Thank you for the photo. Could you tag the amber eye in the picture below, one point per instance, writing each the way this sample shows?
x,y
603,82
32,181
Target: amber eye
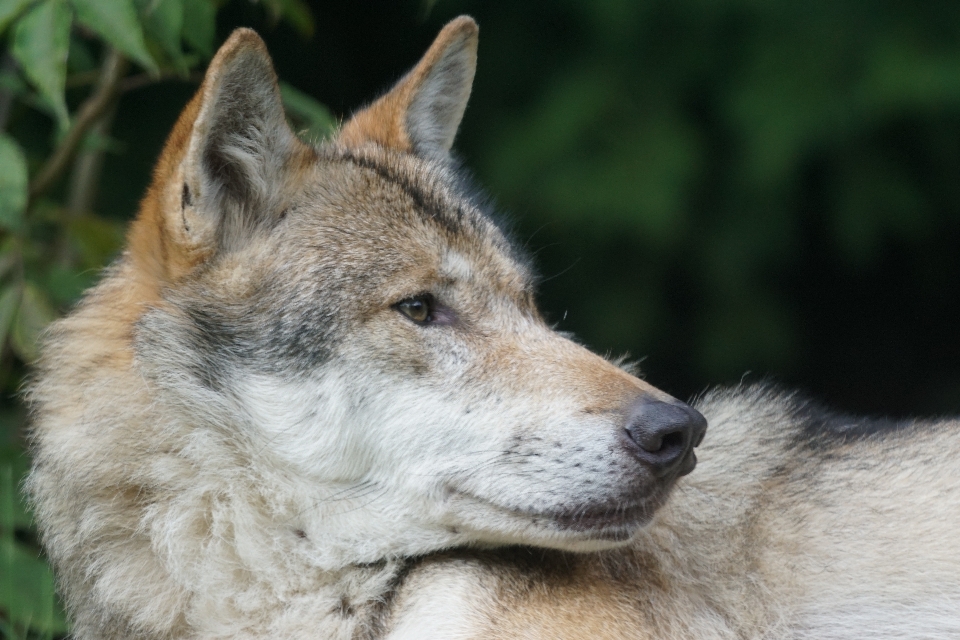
x,y
417,309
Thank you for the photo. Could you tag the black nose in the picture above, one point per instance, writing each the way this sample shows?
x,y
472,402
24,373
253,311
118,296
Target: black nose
x,y
663,435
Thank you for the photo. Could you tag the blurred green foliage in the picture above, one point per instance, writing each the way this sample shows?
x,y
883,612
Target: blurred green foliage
x,y
28,600
737,185
719,186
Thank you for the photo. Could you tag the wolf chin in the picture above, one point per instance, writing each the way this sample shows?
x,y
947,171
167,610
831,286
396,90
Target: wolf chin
x,y
314,398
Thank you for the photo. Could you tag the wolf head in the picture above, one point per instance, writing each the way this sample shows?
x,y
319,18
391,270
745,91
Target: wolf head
x,y
342,337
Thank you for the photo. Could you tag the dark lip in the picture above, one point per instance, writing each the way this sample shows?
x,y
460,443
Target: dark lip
x,y
611,520
597,518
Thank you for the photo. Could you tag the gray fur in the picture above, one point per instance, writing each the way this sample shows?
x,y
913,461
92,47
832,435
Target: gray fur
x,y
237,433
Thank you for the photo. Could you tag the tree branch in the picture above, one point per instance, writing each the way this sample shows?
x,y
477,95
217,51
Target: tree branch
x,y
85,175
133,82
145,79
111,73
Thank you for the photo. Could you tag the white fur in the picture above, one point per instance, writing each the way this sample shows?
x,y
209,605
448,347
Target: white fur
x,y
446,608
252,441
390,467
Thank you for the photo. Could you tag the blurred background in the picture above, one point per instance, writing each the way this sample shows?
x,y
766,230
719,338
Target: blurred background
x,y
726,190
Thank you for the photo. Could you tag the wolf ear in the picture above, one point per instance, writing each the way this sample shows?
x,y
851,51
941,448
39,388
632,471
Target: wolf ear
x,y
422,112
239,143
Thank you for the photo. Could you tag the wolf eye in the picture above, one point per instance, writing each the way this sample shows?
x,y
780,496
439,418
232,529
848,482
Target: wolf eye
x,y
418,309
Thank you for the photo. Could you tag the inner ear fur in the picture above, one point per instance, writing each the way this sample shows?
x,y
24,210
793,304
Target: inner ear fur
x,y
240,144
224,167
422,112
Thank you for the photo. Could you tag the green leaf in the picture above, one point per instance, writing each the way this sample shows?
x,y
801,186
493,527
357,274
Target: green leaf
x,y
33,316
81,58
9,302
199,25
13,183
163,20
14,466
296,12
27,592
305,111
9,256
9,11
41,41
66,285
117,22
10,81
96,240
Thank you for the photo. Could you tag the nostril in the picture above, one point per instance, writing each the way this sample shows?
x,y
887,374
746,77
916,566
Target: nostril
x,y
672,441
659,443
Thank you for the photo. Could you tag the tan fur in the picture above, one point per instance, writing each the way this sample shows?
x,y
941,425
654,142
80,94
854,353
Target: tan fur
x,y
385,121
238,435
157,242
769,538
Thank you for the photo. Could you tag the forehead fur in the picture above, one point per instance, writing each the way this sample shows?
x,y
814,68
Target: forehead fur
x,y
366,228
433,194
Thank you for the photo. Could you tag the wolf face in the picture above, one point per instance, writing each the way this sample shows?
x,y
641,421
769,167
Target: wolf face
x,y
371,335
313,363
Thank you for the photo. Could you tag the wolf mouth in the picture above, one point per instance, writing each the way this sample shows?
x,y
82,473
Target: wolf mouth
x,y
607,517
607,521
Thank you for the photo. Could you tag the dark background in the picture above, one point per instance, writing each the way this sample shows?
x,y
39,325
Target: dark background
x,y
727,190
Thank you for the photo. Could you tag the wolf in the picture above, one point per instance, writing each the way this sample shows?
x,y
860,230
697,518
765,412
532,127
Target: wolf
x,y
314,398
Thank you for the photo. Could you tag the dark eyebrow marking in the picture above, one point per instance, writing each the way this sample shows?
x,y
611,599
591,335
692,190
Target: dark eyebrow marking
x,y
451,218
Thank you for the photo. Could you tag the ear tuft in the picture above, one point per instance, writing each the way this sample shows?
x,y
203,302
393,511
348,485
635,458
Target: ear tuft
x,y
422,113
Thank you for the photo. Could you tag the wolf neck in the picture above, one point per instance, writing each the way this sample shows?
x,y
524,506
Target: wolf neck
x,y
234,535
238,530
